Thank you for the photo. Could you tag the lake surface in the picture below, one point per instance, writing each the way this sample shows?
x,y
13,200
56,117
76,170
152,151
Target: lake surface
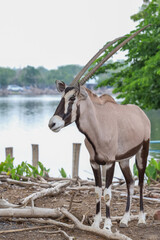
x,y
24,121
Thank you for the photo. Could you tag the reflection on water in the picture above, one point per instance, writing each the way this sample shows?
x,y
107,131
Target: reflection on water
x,y
154,116
24,121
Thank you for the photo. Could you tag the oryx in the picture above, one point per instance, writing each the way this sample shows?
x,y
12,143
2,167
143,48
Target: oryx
x,y
113,133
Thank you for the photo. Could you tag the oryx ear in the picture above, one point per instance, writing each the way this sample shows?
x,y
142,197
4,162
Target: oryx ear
x,y
60,86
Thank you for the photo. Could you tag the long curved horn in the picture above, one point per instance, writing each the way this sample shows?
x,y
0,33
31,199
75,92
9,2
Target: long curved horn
x,y
84,69
89,74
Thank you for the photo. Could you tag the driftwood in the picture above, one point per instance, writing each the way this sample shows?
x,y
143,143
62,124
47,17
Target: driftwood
x,y
30,212
96,231
53,188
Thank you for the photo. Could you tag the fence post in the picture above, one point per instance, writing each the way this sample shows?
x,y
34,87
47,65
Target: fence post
x,y
9,150
35,155
75,159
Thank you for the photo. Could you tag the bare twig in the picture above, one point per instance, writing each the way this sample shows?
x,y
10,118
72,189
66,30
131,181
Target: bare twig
x,y
24,229
71,201
61,232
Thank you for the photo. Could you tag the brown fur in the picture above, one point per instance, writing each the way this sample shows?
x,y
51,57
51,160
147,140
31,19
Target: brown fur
x,y
100,100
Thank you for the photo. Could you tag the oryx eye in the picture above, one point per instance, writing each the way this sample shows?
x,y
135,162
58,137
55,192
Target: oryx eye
x,y
72,98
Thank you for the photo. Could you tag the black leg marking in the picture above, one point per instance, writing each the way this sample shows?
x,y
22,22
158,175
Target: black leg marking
x,y
124,165
129,180
98,191
107,194
97,176
141,162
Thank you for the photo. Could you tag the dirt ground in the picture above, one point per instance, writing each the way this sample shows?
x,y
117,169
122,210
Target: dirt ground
x,y
83,204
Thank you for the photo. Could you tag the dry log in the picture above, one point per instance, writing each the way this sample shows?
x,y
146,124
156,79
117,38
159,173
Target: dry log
x,y
96,231
30,212
46,192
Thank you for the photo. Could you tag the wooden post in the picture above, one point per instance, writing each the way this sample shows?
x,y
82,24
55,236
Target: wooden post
x,y
75,159
9,150
35,155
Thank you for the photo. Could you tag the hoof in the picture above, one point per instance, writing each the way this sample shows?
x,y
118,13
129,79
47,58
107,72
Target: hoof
x,y
141,224
123,225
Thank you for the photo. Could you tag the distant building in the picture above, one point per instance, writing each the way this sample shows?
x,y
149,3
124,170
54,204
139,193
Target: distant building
x,y
15,88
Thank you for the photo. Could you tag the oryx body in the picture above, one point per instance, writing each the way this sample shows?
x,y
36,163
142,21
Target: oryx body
x,y
113,133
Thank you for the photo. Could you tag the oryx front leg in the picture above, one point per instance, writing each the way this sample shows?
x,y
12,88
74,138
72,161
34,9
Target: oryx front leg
x,y
98,191
107,194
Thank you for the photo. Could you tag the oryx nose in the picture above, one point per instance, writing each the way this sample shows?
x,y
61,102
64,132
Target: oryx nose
x,y
51,125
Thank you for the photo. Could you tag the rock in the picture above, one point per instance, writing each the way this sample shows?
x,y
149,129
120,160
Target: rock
x,y
157,215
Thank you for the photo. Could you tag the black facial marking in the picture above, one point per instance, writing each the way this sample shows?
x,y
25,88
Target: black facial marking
x,y
68,115
68,89
60,109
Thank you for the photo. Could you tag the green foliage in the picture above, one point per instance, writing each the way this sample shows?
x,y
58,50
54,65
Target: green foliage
x,y
138,77
6,76
39,77
7,165
63,173
23,169
152,170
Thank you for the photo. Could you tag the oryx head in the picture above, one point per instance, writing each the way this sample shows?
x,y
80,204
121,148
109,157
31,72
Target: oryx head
x,y
71,95
66,111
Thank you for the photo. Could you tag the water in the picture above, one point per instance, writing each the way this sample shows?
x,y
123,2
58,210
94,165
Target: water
x,y
24,121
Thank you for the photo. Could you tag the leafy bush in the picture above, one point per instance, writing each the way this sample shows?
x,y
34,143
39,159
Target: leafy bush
x,y
152,170
23,169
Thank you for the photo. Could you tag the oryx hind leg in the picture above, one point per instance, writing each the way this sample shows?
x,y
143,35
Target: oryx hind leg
x,y
124,165
141,162
107,193
98,190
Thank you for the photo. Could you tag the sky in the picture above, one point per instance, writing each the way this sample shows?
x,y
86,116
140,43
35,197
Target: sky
x,y
52,33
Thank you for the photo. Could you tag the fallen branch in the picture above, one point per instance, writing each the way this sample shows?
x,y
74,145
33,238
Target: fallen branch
x,y
97,231
6,204
24,229
30,212
26,184
46,192
144,198
43,221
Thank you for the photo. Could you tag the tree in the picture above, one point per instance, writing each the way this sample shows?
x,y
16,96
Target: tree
x,y
64,73
6,76
138,77
30,76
